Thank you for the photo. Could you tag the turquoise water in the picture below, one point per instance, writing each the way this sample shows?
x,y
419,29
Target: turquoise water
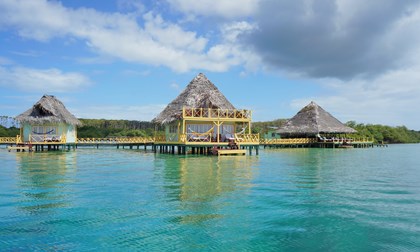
x,y
281,200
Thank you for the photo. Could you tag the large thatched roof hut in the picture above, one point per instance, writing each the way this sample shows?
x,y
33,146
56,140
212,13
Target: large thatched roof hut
x,y
48,120
199,93
312,120
201,114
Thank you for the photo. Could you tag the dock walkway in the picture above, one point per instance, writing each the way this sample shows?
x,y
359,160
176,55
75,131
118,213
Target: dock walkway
x,y
314,142
195,148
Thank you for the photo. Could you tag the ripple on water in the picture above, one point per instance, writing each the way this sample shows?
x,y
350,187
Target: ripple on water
x,y
282,200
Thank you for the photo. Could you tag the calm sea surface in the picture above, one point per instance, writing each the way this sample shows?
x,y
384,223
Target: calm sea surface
x,y
281,200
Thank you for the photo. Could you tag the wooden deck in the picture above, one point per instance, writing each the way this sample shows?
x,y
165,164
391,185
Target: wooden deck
x,y
201,114
231,152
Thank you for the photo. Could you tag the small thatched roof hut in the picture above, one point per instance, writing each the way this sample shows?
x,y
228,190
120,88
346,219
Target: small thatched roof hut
x,y
48,110
199,93
311,120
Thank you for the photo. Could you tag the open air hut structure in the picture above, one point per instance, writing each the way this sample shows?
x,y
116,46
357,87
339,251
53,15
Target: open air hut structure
x,y
202,116
313,121
48,122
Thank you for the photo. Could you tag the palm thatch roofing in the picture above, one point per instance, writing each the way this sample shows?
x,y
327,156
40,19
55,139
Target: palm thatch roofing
x,y
48,110
313,119
199,93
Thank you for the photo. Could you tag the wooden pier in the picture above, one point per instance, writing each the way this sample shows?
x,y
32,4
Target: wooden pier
x,y
119,142
314,142
184,148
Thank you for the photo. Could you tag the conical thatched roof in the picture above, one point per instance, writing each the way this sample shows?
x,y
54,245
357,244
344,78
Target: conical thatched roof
x,y
48,110
200,93
313,119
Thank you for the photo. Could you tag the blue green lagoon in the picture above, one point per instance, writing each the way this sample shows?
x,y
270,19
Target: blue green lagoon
x,y
281,200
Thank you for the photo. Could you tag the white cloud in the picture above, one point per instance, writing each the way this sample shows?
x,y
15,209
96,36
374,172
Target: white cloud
x,y
221,8
231,34
140,113
171,35
175,86
231,31
35,19
30,53
41,80
119,36
5,61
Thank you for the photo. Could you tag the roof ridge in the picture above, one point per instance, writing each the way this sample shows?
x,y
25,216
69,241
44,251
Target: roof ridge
x,y
316,107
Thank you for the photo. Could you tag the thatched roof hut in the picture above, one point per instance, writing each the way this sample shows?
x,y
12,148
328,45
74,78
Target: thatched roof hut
x,y
311,120
48,110
199,93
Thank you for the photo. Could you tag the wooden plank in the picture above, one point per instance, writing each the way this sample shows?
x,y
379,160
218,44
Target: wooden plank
x,y
231,152
18,148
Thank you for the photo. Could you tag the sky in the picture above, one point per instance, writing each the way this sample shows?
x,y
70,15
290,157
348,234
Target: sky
x,y
127,59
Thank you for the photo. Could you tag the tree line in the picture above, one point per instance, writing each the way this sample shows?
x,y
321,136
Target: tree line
x,y
9,127
8,132
100,128
386,134
263,127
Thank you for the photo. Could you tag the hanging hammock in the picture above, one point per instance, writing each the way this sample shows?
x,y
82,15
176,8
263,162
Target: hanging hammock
x,y
200,136
42,133
242,131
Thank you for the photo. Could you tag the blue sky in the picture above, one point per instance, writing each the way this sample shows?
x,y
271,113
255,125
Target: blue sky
x,y
127,59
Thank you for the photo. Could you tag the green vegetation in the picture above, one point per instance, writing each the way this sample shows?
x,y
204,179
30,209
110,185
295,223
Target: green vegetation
x,y
99,128
8,132
263,127
9,127
386,134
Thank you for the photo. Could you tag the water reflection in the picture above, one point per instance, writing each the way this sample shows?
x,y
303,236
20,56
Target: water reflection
x,y
305,167
43,178
201,184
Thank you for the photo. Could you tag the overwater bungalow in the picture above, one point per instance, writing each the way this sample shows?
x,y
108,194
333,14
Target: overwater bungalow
x,y
313,126
47,123
201,118
313,120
